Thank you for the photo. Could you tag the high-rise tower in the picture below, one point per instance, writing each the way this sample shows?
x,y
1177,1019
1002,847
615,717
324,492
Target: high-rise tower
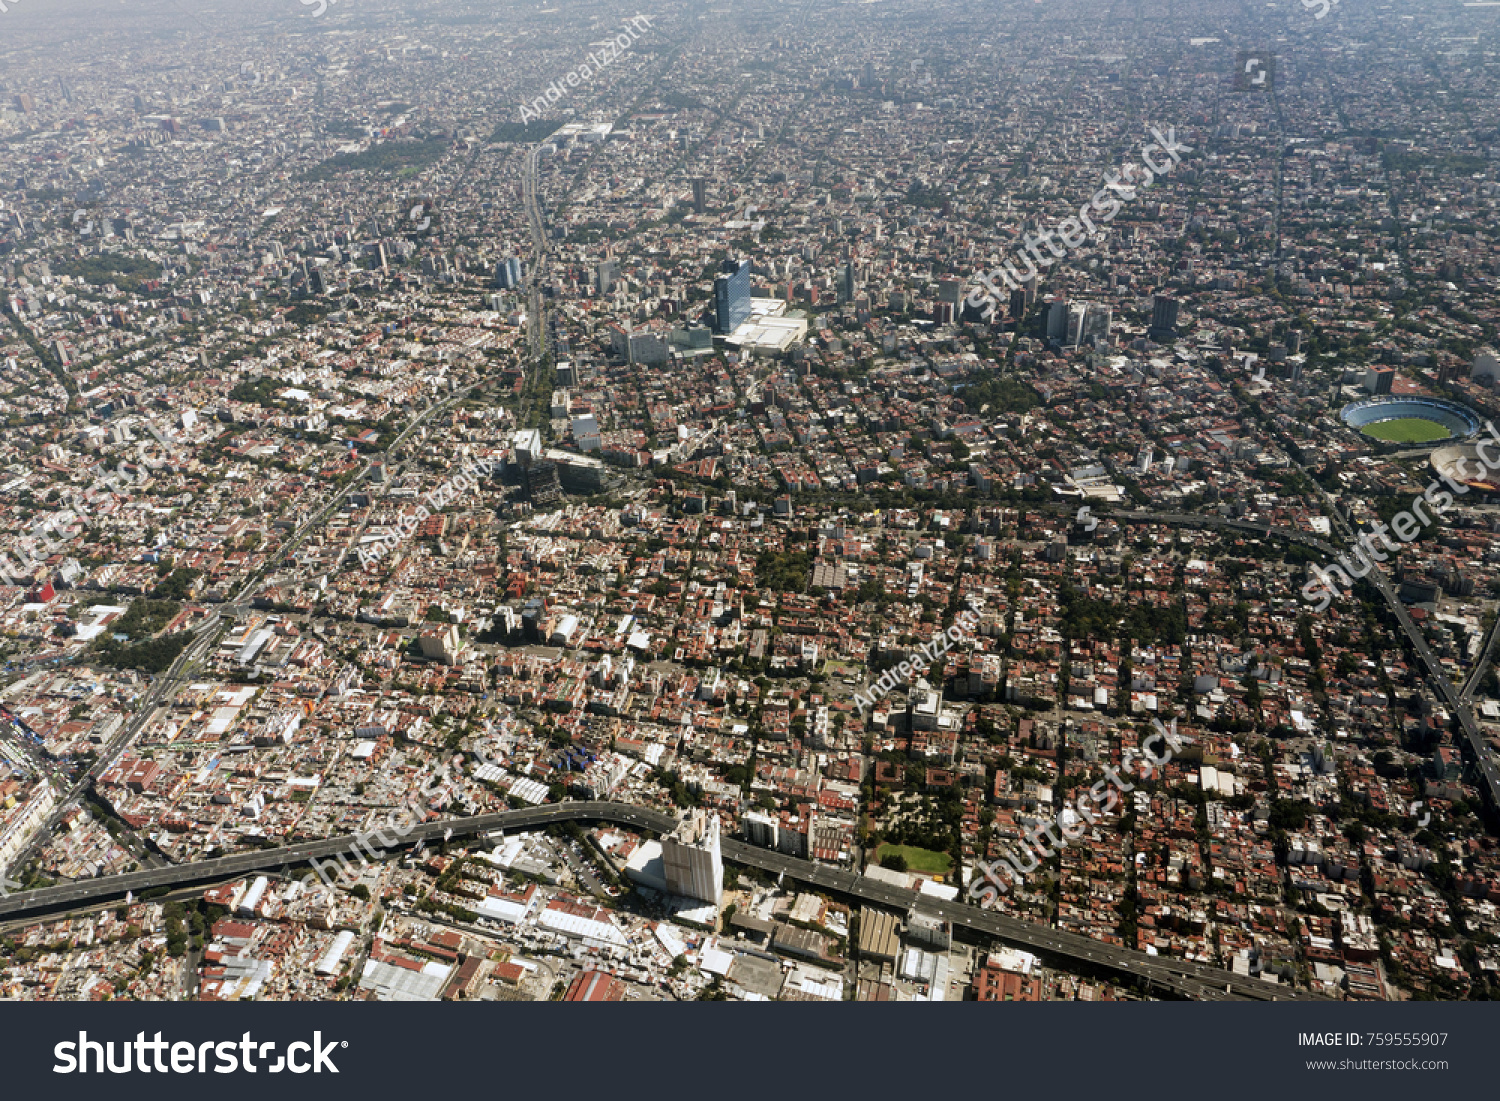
x,y
691,860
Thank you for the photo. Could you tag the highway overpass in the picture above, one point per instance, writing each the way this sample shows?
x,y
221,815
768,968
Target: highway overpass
x,y
1186,979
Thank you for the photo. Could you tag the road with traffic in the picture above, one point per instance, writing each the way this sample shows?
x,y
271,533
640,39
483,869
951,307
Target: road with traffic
x,y
206,633
1182,977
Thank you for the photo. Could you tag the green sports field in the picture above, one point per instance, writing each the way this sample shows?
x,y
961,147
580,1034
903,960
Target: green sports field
x,y
1406,430
918,860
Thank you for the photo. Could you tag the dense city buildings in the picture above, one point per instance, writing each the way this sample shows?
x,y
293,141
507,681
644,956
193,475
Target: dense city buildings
x,y
632,549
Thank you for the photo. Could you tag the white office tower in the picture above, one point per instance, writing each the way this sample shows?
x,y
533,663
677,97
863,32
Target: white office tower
x,y
1088,324
1096,325
1077,314
690,858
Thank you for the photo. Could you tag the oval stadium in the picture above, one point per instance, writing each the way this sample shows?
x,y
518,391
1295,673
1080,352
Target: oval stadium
x,y
1410,420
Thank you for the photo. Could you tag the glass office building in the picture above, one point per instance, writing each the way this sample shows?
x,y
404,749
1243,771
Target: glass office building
x,y
732,295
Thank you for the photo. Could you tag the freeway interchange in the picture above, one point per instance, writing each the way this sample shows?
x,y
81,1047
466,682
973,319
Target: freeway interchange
x,y
1181,977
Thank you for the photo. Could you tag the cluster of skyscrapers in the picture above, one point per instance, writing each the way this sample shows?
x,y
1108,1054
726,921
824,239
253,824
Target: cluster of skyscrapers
x,y
1076,324
509,273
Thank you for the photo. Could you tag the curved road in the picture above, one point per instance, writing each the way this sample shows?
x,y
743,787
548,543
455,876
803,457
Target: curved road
x,y
1190,980
206,632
